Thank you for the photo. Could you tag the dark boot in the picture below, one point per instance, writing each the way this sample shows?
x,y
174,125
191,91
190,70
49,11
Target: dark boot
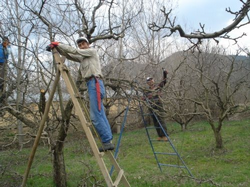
x,y
106,146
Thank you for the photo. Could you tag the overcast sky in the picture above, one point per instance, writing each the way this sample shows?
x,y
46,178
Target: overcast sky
x,y
211,13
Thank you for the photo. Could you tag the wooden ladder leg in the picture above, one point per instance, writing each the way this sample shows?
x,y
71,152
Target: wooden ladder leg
x,y
41,127
74,94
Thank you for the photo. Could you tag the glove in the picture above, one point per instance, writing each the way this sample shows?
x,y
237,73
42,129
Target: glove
x,y
164,74
48,48
54,44
165,70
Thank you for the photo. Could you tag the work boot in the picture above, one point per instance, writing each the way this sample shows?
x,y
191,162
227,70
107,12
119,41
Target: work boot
x,y
106,146
164,138
159,139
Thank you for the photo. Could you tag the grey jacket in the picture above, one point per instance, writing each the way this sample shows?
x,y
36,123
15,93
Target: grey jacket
x,y
88,59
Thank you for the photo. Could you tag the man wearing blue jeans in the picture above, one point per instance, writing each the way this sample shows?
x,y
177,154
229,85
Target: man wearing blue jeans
x,y
90,69
98,117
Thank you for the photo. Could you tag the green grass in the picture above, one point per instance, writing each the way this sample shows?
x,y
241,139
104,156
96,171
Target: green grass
x,y
229,166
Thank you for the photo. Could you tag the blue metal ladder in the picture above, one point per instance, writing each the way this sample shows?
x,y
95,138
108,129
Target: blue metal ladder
x,y
122,128
153,141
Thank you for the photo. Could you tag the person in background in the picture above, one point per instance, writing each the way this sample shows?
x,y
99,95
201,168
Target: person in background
x,y
4,54
154,96
90,69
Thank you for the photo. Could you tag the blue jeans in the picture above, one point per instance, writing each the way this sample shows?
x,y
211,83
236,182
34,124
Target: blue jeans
x,y
99,118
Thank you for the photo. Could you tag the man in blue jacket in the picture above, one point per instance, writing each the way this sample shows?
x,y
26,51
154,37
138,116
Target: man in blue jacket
x,y
4,54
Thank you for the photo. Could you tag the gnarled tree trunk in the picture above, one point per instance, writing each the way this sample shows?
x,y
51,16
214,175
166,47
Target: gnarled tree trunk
x,y
60,178
218,138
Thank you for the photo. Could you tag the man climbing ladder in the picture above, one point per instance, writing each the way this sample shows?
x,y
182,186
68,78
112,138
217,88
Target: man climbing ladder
x,y
152,100
84,118
155,101
90,69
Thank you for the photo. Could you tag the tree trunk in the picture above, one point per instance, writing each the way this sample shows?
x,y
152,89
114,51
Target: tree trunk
x,y
183,127
60,178
19,75
218,139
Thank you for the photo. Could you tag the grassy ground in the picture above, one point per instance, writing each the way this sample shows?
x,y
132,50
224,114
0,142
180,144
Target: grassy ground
x,y
209,166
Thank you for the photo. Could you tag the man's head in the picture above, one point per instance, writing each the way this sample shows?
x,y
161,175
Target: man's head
x,y
150,81
82,43
6,41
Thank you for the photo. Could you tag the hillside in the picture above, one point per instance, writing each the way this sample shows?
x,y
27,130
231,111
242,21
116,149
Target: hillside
x,y
133,70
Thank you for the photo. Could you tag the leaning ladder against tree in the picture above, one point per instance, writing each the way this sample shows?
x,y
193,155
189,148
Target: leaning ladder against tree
x,y
82,112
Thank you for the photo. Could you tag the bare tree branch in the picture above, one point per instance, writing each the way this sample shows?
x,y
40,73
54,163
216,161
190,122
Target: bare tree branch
x,y
169,24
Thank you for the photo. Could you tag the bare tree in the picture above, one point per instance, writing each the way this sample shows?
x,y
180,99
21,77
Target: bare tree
x,y
178,88
220,83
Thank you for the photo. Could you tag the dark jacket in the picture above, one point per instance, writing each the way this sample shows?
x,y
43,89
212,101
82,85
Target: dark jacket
x,y
154,93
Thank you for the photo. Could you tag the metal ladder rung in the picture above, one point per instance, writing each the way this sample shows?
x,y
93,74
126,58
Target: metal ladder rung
x,y
152,127
148,114
161,153
154,140
170,165
156,154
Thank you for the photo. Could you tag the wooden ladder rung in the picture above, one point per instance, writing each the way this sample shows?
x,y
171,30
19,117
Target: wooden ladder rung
x,y
119,177
101,154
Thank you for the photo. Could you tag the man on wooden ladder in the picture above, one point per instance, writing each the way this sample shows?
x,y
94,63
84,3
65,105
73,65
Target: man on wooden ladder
x,y
154,96
90,69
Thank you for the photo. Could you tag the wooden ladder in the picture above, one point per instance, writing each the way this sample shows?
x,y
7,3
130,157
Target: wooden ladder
x,y
83,114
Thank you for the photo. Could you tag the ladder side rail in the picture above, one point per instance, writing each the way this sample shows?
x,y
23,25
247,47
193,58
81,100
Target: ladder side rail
x,y
84,122
92,142
156,117
178,155
78,103
87,116
122,129
172,145
149,138
78,96
41,127
169,140
120,136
